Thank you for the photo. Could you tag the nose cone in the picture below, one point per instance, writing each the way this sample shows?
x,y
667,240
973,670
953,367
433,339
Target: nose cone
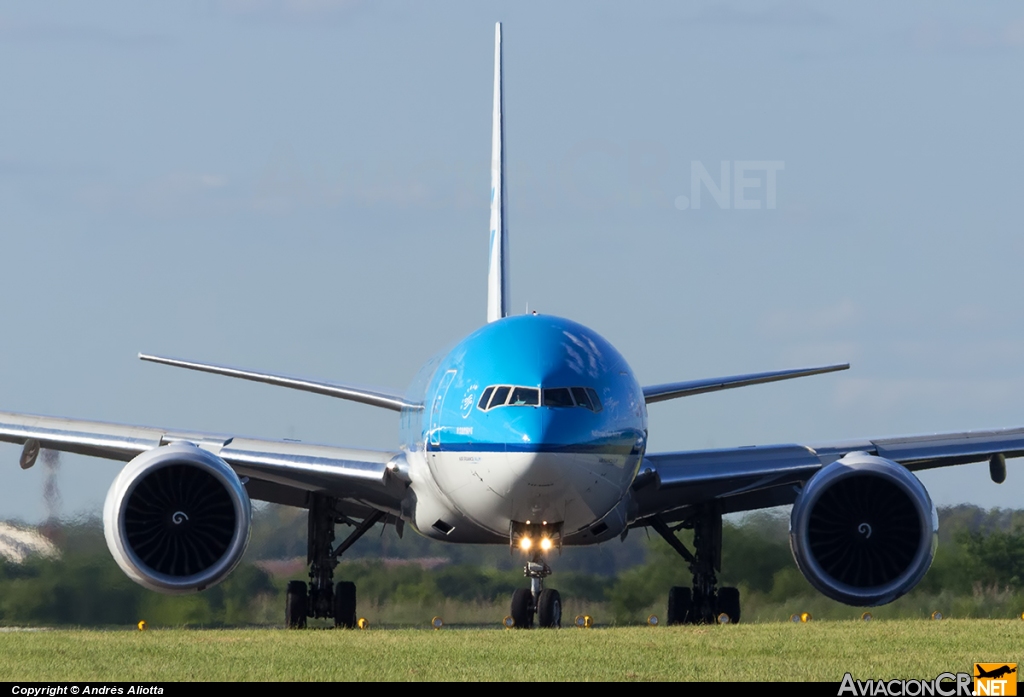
x,y
555,465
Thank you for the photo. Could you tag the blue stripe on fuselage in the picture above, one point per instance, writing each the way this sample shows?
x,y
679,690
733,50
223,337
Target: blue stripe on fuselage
x,y
618,447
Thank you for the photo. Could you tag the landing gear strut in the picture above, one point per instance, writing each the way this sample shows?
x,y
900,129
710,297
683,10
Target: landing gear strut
x,y
322,598
704,602
545,603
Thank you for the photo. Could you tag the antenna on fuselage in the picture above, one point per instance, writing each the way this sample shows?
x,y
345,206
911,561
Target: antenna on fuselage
x,y
497,272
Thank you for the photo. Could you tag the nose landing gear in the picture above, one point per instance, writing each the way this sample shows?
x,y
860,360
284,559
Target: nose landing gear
x,y
536,601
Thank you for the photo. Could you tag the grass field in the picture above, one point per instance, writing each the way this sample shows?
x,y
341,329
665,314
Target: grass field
x,y
771,651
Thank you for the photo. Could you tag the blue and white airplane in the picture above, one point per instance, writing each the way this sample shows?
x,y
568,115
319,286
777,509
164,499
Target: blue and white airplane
x,y
531,432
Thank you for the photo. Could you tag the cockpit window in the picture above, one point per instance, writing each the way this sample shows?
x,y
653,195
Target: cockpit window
x,y
558,397
582,398
485,397
525,397
499,396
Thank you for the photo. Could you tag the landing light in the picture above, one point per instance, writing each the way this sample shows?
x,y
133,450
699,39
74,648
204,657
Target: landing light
x,y
525,543
545,543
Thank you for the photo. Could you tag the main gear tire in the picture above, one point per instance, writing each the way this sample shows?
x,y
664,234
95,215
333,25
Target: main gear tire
x,y
680,605
729,603
345,605
295,603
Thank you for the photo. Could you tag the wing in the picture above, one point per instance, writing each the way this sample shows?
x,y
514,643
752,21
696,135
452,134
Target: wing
x,y
279,471
672,390
754,477
376,397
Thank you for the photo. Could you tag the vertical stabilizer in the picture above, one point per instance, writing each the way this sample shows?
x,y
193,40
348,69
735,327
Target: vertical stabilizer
x,y
497,272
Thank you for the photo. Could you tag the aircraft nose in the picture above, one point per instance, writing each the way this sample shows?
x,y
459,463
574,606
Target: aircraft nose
x,y
534,428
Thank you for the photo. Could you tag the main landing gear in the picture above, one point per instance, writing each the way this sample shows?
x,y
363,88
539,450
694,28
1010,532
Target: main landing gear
x,y
322,598
704,602
536,601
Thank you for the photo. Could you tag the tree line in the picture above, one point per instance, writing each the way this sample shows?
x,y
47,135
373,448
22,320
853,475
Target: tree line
x,y
978,571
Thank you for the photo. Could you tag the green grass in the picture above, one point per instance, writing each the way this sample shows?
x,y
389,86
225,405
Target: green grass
x,y
771,651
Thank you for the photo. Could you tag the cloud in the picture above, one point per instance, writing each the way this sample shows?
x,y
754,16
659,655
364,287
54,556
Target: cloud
x,y
842,316
172,194
980,316
178,191
822,352
211,181
277,191
291,10
974,352
934,35
780,14
287,183
15,168
897,394
65,33
897,321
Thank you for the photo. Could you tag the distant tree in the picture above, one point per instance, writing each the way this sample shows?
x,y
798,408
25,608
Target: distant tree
x,y
754,551
998,556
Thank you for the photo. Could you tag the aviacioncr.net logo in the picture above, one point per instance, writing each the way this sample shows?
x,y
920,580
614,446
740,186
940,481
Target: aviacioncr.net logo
x,y
945,685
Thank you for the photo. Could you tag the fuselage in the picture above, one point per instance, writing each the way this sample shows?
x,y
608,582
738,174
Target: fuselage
x,y
530,419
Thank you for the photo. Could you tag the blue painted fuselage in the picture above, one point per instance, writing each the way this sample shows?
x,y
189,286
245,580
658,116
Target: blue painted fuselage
x,y
530,418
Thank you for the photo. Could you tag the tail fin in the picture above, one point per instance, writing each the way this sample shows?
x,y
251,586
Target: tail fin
x,y
497,273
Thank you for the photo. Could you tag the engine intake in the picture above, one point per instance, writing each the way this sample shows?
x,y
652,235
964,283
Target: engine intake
x,y
863,530
177,519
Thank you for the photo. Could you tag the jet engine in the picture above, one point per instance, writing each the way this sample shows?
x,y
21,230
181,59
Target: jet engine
x,y
177,519
863,530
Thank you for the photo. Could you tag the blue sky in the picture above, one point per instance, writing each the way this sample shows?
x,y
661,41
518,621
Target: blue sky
x,y
302,186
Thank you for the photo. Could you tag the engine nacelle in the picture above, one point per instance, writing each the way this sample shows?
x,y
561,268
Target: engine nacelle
x,y
863,530
177,519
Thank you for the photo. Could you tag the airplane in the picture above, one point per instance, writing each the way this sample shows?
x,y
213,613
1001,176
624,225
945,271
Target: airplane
x,y
995,672
532,432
